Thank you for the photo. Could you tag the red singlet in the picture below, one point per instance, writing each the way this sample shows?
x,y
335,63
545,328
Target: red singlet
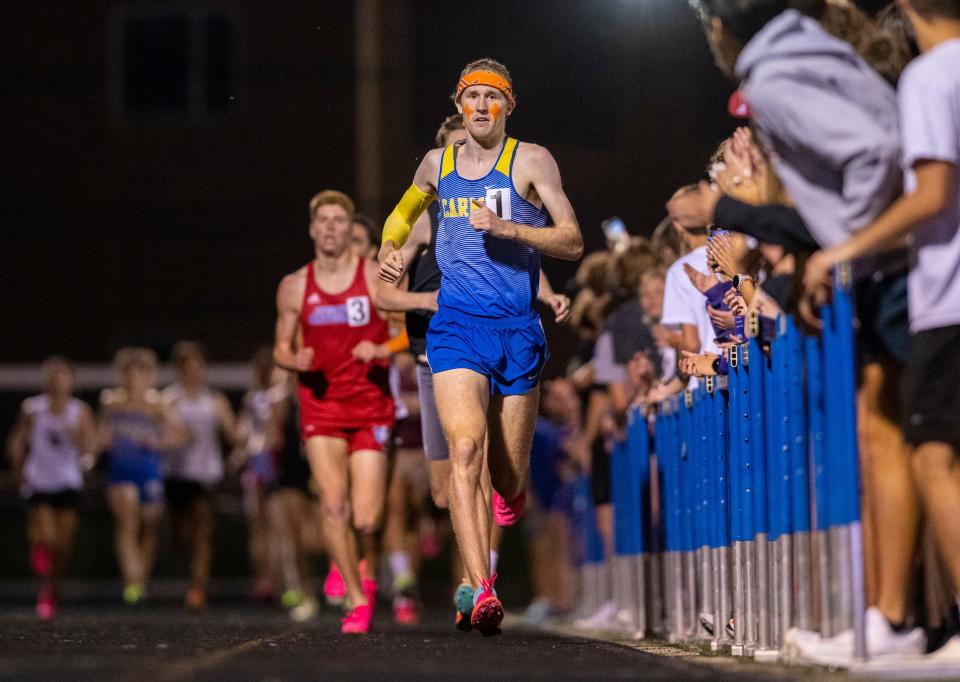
x,y
341,392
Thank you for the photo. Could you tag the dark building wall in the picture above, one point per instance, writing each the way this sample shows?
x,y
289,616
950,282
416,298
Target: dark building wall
x,y
116,231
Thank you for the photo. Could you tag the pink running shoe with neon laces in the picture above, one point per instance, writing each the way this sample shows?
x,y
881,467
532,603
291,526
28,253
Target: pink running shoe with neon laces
x,y
506,513
41,559
357,621
487,609
46,605
334,588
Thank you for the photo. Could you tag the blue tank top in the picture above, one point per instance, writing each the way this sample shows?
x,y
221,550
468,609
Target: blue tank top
x,y
485,275
132,431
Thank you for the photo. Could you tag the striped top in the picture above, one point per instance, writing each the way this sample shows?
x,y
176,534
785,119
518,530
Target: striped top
x,y
484,275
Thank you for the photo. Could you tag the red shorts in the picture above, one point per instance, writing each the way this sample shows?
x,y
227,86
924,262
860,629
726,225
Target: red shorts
x,y
362,438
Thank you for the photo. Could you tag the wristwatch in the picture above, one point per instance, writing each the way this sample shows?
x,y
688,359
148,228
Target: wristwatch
x,y
738,281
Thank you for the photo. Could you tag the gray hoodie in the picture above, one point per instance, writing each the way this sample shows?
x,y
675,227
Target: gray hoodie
x,y
828,120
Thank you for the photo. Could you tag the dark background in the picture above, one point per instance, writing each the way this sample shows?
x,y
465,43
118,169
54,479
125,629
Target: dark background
x,y
158,157
155,185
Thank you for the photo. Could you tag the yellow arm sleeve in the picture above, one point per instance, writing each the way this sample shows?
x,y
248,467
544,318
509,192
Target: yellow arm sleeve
x,y
400,222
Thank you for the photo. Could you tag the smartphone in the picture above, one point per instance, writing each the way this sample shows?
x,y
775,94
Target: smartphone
x,y
615,231
711,232
714,231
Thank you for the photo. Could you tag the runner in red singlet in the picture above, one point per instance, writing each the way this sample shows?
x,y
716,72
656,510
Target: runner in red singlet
x,y
327,331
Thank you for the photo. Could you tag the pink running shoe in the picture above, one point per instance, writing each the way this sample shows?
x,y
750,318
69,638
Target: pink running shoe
x,y
405,611
334,588
46,605
41,560
506,513
487,609
357,621
370,591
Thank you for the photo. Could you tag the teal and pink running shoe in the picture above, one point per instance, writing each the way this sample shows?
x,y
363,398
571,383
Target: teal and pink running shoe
x,y
508,512
463,602
487,610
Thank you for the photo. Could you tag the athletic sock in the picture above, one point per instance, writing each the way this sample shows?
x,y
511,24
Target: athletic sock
x,y
494,555
900,628
399,563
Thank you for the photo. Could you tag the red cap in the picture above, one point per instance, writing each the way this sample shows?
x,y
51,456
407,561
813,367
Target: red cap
x,y
738,107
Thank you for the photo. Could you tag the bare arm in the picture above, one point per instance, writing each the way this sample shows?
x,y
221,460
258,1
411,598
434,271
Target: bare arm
x,y
559,303
104,424
935,180
275,430
289,300
619,402
689,338
17,441
563,240
388,297
394,297
175,433
227,420
86,437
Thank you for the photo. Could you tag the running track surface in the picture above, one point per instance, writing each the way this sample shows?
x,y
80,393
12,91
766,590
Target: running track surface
x,y
96,638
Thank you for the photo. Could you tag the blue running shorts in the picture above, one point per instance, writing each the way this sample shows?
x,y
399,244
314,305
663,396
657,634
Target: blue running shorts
x,y
141,469
510,352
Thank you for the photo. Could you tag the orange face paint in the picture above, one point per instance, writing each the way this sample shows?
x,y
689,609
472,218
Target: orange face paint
x,y
468,111
495,111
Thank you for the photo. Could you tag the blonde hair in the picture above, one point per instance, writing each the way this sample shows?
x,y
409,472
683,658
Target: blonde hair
x,y
135,357
332,196
886,51
449,125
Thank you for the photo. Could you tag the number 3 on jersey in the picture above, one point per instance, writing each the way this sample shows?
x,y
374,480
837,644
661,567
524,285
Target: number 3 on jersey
x,y
358,311
498,201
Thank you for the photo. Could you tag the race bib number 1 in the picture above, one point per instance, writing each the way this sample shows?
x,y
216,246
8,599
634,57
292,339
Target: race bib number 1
x,y
498,201
358,311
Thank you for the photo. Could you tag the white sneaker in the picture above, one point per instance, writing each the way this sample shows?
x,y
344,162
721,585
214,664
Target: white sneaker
x,y
944,663
537,612
305,610
603,619
882,643
949,652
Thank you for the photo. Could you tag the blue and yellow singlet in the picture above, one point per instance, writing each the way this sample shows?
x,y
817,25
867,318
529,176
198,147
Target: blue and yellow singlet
x,y
483,275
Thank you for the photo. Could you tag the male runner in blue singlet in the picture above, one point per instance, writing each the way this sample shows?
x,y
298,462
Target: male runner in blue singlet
x,y
485,344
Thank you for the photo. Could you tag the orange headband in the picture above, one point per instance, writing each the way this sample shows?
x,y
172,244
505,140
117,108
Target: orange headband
x,y
494,80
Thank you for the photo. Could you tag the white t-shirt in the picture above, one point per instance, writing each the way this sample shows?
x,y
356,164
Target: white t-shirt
x,y
606,370
683,304
930,126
